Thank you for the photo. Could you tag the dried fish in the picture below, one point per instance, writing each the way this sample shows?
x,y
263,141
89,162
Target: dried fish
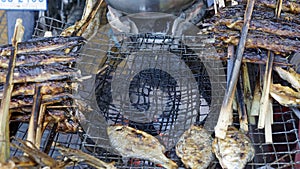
x,y
41,74
23,101
194,148
235,150
291,76
79,156
39,59
282,28
39,157
47,88
132,143
258,40
44,44
287,6
285,95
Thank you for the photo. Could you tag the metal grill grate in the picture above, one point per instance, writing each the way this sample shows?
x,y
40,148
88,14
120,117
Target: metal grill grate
x,y
100,59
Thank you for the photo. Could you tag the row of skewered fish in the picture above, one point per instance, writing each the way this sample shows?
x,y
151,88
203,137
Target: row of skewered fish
x,y
48,64
196,147
266,32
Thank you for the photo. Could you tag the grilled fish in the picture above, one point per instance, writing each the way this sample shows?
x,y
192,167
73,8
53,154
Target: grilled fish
x,y
39,45
41,74
47,88
39,59
291,76
79,156
132,143
194,148
234,151
285,95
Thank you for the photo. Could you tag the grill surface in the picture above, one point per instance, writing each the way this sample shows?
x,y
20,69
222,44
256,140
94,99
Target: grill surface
x,y
280,154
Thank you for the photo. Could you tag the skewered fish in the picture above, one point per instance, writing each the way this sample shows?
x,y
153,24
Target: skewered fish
x,y
285,95
278,36
21,101
40,74
291,76
47,88
39,59
235,150
44,44
194,148
259,40
132,143
79,156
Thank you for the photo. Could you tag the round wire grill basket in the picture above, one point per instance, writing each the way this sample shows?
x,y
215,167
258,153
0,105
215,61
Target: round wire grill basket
x,y
102,58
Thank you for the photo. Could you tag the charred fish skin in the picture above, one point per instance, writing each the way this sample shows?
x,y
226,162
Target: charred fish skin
x,y
235,150
132,143
44,44
194,148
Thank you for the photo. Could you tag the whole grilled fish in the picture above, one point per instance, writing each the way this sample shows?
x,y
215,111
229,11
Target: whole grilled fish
x,y
132,143
194,148
235,150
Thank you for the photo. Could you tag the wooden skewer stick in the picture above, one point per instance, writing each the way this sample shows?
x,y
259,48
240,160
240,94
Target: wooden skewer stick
x,y
40,128
226,109
242,109
31,136
278,8
264,102
256,98
247,92
8,87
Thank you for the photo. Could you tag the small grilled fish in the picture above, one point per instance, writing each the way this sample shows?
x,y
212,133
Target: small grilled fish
x,y
291,76
194,148
132,143
235,150
284,95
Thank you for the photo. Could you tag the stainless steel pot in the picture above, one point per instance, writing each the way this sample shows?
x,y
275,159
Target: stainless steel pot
x,y
137,6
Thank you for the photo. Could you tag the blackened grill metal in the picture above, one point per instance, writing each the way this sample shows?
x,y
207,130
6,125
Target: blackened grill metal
x,y
280,154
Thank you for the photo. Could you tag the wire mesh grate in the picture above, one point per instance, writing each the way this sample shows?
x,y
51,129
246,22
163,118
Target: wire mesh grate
x,y
104,55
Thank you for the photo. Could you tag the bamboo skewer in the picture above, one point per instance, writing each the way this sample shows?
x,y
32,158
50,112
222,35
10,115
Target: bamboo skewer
x,y
8,87
242,109
40,128
32,128
247,92
264,101
266,107
256,98
226,109
266,112
278,8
